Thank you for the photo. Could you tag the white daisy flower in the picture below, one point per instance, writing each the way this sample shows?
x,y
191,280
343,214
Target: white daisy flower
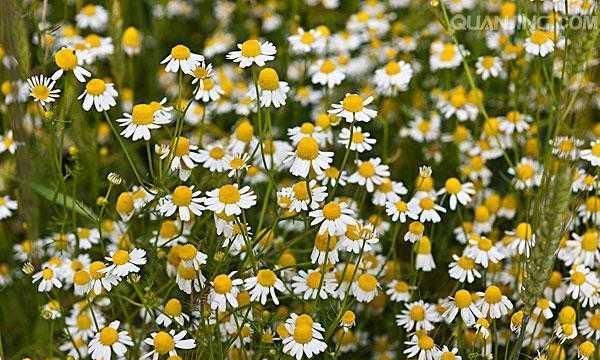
x,y
124,262
423,205
172,311
7,206
388,191
365,288
463,269
182,58
353,108
304,337
183,200
393,77
459,192
143,118
108,340
421,346
540,43
230,199
183,157
313,284
489,66
164,343
307,156
67,60
482,250
253,52
99,94
359,141
527,174
592,155
264,284
41,89
462,302
369,173
213,158
224,290
399,291
493,304
48,279
271,90
92,16
417,316
334,218
326,72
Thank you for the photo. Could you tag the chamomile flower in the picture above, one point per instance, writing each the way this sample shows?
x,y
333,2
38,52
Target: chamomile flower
x,y
92,16
359,237
313,284
586,350
445,55
325,249
263,284
67,60
388,191
459,192
523,239
308,156
424,260
183,200
183,157
99,94
462,302
213,158
305,196
540,43
493,303
230,199
131,41
359,141
582,282
327,72
48,279
334,217
253,52
398,291
527,174
304,42
488,66
41,89
353,108
590,325
182,58
108,340
417,316
164,343
303,337
271,90
7,206
592,155
143,118
172,311
369,173
124,262
225,289
393,77
365,288
482,250
463,269
421,346
423,206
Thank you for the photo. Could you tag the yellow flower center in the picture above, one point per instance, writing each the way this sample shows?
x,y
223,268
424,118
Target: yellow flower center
x,y
65,59
180,52
168,229
95,87
366,169
524,231
187,252
268,79
96,270
89,10
229,194
578,278
120,257
349,317
216,152
93,40
307,149
47,274
392,68
266,277
187,273
453,186
484,243
353,103
108,336
81,277
540,37
332,211
163,342
596,150
173,307
401,287
426,203
424,246
466,263
447,355
448,52
244,131
183,146
327,66
307,38
301,191
40,92
426,342
587,349
325,242
592,203
367,282
525,171
131,37
462,298
83,321
488,62
594,321
313,280
493,295
417,313
207,84
303,332
458,98
182,195
251,48
223,284
358,137
142,114
307,128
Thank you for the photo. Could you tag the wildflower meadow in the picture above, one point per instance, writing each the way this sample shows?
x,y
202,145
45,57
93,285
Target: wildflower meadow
x,y
299,179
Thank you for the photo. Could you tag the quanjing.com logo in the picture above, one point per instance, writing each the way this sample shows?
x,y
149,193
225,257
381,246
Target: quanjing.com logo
x,y
460,22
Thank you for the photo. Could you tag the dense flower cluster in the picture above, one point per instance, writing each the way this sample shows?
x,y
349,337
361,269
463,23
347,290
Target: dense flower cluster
x,y
320,179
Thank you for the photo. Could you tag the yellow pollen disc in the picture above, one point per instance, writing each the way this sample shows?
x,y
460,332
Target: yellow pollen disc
x,y
81,277
493,295
307,149
307,38
40,92
142,114
65,59
462,298
251,48
183,146
587,349
93,40
229,194
187,252
401,287
426,203
332,211
366,169
596,150
358,137
95,270
353,103
578,278
173,307
589,241
244,131
327,67
424,246
207,84
108,336
453,186
216,153
367,282
594,322
303,333
307,128
301,191
266,277
83,321
131,37
458,98
180,52
168,229
524,231
323,240
268,79
488,62
95,87
417,313
120,257
540,37
163,342
484,244
89,10
222,284
182,196
448,52
348,317
187,273
525,171
425,342
392,68
47,274
313,280
466,263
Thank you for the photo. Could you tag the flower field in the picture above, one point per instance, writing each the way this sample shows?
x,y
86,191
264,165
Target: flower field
x,y
327,179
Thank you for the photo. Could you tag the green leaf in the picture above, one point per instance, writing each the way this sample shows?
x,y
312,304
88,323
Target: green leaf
x,y
63,200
